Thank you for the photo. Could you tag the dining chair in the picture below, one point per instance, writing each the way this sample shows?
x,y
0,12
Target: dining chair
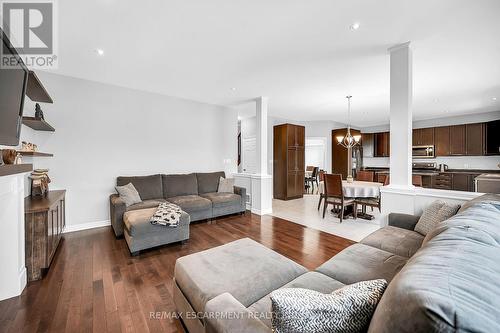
x,y
416,180
321,192
365,176
384,179
309,168
313,179
334,194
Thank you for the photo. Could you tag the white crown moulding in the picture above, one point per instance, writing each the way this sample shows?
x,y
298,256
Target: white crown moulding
x,y
398,47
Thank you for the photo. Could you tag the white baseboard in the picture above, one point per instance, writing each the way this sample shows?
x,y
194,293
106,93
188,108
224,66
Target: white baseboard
x,y
85,226
262,212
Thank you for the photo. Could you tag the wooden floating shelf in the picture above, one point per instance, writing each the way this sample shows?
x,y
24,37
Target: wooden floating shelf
x,y
36,91
34,153
38,124
12,169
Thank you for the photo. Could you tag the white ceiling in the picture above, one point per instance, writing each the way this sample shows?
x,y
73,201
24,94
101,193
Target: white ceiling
x,y
301,54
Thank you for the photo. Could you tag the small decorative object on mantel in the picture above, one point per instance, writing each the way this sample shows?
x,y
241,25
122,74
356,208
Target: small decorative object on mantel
x,y
38,111
39,182
28,146
9,156
19,159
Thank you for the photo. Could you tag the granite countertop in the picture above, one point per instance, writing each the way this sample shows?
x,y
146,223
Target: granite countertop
x,y
383,170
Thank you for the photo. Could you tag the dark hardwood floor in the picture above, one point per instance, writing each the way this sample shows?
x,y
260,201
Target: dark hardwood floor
x,y
95,285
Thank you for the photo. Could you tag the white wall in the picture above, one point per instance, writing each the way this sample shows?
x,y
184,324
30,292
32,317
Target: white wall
x,y
104,131
453,162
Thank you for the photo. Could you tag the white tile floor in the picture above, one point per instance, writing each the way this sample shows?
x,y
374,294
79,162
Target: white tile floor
x,y
305,211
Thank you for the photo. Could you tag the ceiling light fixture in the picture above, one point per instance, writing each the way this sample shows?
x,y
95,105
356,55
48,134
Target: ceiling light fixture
x,y
494,98
99,52
354,26
233,89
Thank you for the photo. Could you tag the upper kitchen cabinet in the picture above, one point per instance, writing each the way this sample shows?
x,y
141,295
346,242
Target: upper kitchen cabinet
x,y
457,140
423,136
382,144
442,140
367,143
492,137
474,139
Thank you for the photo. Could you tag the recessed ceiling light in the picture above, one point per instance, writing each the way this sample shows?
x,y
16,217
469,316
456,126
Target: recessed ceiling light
x,y
494,98
354,26
233,89
99,52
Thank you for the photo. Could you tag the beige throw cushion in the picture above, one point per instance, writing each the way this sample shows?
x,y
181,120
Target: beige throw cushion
x,y
226,185
128,194
437,212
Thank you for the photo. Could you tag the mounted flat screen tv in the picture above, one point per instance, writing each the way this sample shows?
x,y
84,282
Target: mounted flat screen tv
x,y
13,80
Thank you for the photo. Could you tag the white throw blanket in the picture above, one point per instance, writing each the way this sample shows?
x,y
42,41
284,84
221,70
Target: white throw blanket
x,y
167,215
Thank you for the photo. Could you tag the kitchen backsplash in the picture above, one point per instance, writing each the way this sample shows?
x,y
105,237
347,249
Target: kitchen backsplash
x,y
456,162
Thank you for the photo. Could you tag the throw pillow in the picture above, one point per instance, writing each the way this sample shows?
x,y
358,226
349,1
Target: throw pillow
x,y
226,185
429,218
446,211
128,194
348,309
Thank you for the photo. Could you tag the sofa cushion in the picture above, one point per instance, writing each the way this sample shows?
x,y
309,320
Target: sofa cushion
x,y
244,268
395,240
128,194
149,187
311,280
451,283
146,204
348,309
361,262
489,197
137,222
177,185
191,203
209,182
223,199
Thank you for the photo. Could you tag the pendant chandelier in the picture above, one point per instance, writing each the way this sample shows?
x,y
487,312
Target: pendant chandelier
x,y
348,141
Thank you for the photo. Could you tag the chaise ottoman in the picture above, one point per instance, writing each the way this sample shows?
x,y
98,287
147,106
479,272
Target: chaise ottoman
x,y
140,234
244,268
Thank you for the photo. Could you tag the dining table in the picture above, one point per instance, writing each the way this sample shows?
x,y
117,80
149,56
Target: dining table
x,y
357,189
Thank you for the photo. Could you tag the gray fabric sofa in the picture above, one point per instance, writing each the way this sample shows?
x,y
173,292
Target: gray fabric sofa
x,y
445,282
195,193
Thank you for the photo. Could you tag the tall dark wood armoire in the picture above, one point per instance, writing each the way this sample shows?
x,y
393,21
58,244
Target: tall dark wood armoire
x,y
289,161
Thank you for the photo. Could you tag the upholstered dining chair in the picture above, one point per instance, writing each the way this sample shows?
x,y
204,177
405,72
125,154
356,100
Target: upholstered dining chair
x,y
309,168
384,179
365,176
313,179
334,194
416,180
321,177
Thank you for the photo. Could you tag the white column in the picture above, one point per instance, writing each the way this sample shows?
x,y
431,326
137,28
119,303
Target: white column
x,y
261,135
401,116
262,182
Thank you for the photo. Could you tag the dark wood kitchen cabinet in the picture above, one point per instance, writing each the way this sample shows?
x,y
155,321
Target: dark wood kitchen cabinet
x,y
442,140
44,223
382,144
474,138
339,152
457,140
492,137
423,136
288,161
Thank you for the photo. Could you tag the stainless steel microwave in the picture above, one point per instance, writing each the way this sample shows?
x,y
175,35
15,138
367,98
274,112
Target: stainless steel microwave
x,y
423,152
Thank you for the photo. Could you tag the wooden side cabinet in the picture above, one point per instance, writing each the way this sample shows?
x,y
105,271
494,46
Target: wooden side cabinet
x,y
44,223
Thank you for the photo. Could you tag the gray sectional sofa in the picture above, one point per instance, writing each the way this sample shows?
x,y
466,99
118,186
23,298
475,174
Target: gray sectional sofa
x,y
195,193
445,282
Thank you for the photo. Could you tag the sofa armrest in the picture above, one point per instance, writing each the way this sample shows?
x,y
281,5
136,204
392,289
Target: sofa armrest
x,y
241,191
404,221
225,313
117,208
